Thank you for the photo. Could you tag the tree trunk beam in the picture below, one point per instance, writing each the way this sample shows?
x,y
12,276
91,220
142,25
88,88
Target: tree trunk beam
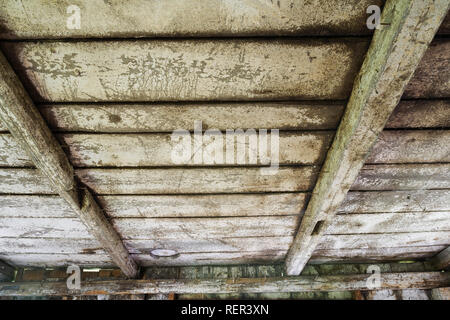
x,y
23,120
395,52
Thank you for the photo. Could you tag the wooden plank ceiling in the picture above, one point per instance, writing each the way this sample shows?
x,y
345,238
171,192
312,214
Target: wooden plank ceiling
x,y
113,100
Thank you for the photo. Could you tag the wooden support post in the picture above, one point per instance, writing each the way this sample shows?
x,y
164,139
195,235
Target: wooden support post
x,y
395,281
396,49
442,260
6,272
23,120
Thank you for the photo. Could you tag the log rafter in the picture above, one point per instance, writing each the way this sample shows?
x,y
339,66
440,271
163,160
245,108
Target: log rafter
x,y
393,56
20,116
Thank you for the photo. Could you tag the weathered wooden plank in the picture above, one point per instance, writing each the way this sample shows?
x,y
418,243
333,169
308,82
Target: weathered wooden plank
x,y
23,120
441,293
227,244
24,181
424,146
167,206
403,177
419,280
57,260
442,259
393,56
396,201
43,227
129,150
34,206
374,254
115,150
169,117
196,180
187,70
115,118
432,77
389,222
420,114
203,205
205,228
384,240
227,180
141,18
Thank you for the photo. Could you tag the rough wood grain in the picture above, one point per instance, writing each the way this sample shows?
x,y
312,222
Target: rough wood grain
x,y
422,280
424,146
196,180
420,114
403,177
306,148
187,70
23,120
23,181
396,201
121,118
169,117
227,180
374,254
133,150
432,77
384,240
140,18
57,260
393,56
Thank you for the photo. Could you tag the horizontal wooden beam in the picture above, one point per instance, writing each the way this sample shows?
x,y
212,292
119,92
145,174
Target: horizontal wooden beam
x,y
413,280
393,56
23,120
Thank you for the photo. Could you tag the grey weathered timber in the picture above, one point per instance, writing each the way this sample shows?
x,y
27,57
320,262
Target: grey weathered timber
x,y
6,272
432,77
295,148
20,116
298,115
415,280
227,180
442,259
393,56
179,18
187,70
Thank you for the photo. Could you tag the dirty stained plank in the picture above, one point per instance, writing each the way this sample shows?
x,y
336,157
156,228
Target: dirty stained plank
x,y
420,114
44,245
187,70
122,118
57,260
384,240
403,177
374,254
215,205
143,18
43,227
169,117
227,180
432,77
306,148
418,146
